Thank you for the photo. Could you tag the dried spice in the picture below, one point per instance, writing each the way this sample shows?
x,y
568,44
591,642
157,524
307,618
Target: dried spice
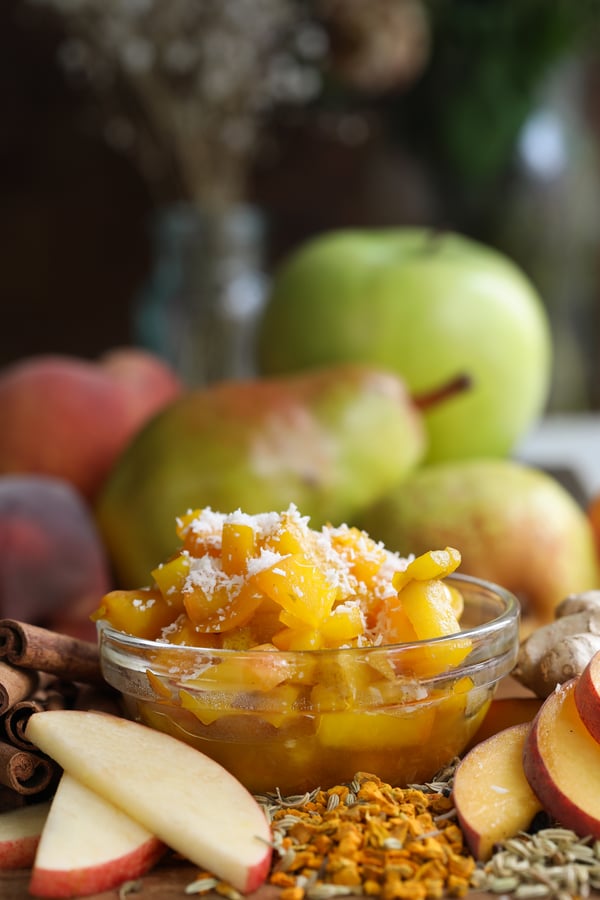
x,y
367,838
554,862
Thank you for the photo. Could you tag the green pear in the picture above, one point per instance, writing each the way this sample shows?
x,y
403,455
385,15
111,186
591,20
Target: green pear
x,y
331,441
514,525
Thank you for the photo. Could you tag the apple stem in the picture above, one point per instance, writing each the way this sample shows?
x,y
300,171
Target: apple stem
x,y
455,386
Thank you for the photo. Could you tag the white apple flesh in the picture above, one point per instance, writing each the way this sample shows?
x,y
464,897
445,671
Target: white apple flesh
x,y
20,831
561,761
492,796
180,795
88,845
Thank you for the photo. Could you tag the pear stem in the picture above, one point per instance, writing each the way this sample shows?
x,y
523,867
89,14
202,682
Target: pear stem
x,y
453,387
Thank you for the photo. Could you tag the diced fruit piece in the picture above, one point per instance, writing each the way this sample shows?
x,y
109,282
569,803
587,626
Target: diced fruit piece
x,y
300,589
215,602
433,564
237,547
20,831
492,796
186,799
88,845
408,728
587,696
144,612
170,578
561,760
428,606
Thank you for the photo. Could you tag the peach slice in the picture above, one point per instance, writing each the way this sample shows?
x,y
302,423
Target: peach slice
x,y
587,696
492,796
180,795
561,760
20,831
88,845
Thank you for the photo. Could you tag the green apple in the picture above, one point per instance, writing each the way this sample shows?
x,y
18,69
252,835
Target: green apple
x,y
429,306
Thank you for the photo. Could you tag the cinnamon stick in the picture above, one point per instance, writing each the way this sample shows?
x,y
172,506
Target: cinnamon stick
x,y
25,772
32,647
15,722
15,685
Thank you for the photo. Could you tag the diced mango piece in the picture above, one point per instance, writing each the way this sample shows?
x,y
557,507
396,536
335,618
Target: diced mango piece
x,y
299,588
143,612
170,578
183,632
238,545
343,625
428,605
430,565
298,639
410,727
220,604
393,622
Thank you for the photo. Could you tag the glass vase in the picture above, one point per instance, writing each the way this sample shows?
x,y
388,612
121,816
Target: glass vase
x,y
200,306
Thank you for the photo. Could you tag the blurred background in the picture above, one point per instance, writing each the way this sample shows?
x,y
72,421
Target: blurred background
x,y
284,118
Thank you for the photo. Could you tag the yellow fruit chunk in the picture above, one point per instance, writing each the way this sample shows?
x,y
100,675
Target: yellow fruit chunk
x,y
364,730
299,588
299,639
428,605
144,612
224,607
363,556
200,532
243,672
183,632
170,578
394,623
343,625
433,564
238,544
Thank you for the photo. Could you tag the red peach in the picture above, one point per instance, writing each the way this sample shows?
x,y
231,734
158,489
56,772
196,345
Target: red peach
x,y
71,418
53,566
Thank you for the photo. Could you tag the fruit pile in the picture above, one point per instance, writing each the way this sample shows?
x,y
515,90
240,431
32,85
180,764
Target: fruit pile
x,y
242,581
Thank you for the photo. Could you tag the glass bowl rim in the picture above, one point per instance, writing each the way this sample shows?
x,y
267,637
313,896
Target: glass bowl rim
x,y
508,616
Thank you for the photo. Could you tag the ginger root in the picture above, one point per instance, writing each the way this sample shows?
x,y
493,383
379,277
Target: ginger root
x,y
561,649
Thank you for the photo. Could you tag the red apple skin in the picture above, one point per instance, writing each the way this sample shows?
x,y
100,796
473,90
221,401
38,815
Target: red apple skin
x,y
20,839
53,566
95,879
587,696
558,739
71,418
18,854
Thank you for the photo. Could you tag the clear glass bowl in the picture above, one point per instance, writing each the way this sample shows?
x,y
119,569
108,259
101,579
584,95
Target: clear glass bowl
x,y
313,718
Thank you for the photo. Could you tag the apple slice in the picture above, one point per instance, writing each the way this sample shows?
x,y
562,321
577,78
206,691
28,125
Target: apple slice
x,y
492,796
587,696
561,761
182,796
88,845
20,831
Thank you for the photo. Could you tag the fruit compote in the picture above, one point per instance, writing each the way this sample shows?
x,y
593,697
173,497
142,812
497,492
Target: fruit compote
x,y
298,657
